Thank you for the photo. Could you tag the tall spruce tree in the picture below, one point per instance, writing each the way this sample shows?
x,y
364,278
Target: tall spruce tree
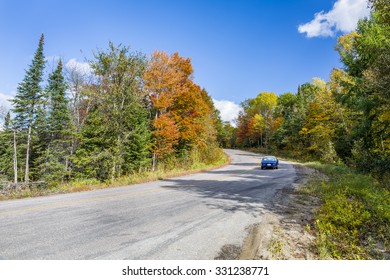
x,y
55,130
5,149
58,110
28,100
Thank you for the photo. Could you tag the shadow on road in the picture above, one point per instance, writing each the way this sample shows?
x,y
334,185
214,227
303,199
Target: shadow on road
x,y
245,164
251,192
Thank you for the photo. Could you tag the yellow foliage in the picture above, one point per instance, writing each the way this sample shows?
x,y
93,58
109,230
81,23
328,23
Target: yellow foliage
x,y
345,42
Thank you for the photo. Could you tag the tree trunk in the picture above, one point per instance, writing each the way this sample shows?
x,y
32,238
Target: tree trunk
x,y
261,138
26,177
113,171
154,162
15,161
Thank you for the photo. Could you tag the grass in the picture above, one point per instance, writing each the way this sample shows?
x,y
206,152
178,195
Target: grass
x,y
136,178
275,247
353,221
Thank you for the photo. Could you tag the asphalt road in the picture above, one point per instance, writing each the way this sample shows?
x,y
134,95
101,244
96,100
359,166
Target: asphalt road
x,y
189,217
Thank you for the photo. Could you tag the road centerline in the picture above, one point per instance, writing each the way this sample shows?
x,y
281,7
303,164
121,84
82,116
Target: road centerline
x,y
78,202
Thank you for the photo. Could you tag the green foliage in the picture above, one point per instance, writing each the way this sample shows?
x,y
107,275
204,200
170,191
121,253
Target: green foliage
x,y
363,90
354,217
55,130
340,225
29,103
226,135
58,115
29,95
115,139
346,119
6,152
307,122
256,122
104,130
382,7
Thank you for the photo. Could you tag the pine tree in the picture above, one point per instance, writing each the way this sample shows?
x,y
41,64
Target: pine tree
x,y
7,121
55,130
27,102
6,145
58,110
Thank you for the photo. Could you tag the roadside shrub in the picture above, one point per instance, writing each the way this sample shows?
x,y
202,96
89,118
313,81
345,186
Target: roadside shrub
x,y
354,220
341,226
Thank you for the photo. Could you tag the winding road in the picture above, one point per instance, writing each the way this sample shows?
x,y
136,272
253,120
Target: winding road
x,y
189,217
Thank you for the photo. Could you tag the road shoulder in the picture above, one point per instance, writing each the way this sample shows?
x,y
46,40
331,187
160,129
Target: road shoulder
x,y
282,234
289,237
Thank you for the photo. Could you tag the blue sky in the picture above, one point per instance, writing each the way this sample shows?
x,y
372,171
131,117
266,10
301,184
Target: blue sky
x,y
238,48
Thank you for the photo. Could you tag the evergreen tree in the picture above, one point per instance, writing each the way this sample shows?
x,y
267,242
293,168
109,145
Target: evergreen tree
x,y
27,102
6,150
7,121
58,109
116,136
55,130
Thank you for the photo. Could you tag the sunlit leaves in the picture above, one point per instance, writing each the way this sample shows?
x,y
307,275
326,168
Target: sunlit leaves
x,y
182,112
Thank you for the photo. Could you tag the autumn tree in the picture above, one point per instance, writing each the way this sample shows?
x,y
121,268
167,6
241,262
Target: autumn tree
x,y
256,122
166,77
320,123
193,112
183,114
243,136
205,119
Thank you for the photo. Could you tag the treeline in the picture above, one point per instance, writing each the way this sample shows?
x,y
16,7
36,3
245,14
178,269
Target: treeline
x,y
345,119
127,115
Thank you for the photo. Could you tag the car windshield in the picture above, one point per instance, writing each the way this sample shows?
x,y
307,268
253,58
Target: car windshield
x,y
269,158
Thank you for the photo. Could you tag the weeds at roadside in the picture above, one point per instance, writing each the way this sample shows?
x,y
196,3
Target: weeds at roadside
x,y
353,220
275,247
136,178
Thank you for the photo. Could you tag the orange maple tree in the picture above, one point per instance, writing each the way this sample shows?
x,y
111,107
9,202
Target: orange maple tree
x,y
181,109
165,78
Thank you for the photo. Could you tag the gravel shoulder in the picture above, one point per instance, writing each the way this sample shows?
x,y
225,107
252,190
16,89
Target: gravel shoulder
x,y
288,237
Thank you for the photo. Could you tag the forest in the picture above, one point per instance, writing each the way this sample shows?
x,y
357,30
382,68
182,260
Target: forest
x,y
135,113
343,120
131,114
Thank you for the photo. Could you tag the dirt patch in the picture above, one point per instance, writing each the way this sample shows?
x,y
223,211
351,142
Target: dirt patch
x,y
259,237
282,234
291,220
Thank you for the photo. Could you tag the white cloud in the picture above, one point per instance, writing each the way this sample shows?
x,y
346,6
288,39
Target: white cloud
x,y
5,106
229,110
82,67
342,18
4,101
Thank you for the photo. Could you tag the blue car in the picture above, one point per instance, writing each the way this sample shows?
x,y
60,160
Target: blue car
x,y
269,162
